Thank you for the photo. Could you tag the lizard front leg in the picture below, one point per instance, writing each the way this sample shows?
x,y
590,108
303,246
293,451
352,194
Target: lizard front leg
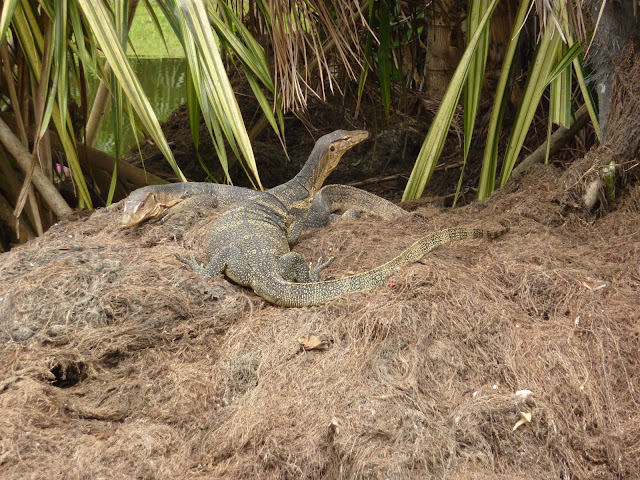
x,y
352,201
186,207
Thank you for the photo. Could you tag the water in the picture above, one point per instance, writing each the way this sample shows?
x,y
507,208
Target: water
x,y
163,80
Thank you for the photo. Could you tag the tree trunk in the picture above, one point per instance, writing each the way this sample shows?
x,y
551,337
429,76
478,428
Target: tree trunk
x,y
617,28
445,45
615,58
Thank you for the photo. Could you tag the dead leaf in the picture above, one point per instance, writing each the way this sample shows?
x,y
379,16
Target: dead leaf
x,y
525,417
314,342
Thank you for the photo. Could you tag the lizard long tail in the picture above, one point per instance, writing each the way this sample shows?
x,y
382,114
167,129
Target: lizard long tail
x,y
281,292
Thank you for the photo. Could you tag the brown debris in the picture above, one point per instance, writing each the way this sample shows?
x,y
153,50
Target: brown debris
x,y
117,362
584,182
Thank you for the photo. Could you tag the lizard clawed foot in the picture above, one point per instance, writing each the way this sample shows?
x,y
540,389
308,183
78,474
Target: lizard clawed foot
x,y
191,262
314,272
352,213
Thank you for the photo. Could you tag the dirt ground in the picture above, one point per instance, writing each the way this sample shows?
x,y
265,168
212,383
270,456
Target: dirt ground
x,y
118,362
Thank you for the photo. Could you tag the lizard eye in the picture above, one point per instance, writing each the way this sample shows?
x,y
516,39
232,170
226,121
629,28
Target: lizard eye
x,y
332,148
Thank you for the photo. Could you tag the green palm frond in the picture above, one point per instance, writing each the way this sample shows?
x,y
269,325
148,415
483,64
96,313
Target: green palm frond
x,y
536,81
434,142
8,9
214,83
102,24
475,79
490,158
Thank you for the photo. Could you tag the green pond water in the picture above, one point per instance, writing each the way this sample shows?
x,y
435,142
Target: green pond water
x,y
163,80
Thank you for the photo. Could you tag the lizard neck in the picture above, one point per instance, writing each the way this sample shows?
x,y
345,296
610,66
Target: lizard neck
x,y
308,181
323,159
314,172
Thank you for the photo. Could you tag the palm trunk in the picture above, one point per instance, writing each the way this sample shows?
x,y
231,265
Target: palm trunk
x,y
445,46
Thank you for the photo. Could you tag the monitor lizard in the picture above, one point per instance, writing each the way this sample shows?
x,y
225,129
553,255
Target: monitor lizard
x,y
352,202
269,222
156,201
250,242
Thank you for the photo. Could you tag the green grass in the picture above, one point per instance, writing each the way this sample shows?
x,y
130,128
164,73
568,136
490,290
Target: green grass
x,y
146,39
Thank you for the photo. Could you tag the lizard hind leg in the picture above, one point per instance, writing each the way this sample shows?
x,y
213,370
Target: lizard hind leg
x,y
314,272
349,213
293,268
229,260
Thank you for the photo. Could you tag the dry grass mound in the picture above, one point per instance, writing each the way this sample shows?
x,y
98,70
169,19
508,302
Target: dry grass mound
x,y
118,362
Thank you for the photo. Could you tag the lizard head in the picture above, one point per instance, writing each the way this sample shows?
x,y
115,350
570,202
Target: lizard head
x,y
145,203
331,148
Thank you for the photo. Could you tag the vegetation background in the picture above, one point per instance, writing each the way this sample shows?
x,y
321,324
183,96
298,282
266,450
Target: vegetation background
x,y
525,58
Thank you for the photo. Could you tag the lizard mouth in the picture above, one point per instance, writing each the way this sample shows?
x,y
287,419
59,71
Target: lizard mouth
x,y
152,205
355,138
